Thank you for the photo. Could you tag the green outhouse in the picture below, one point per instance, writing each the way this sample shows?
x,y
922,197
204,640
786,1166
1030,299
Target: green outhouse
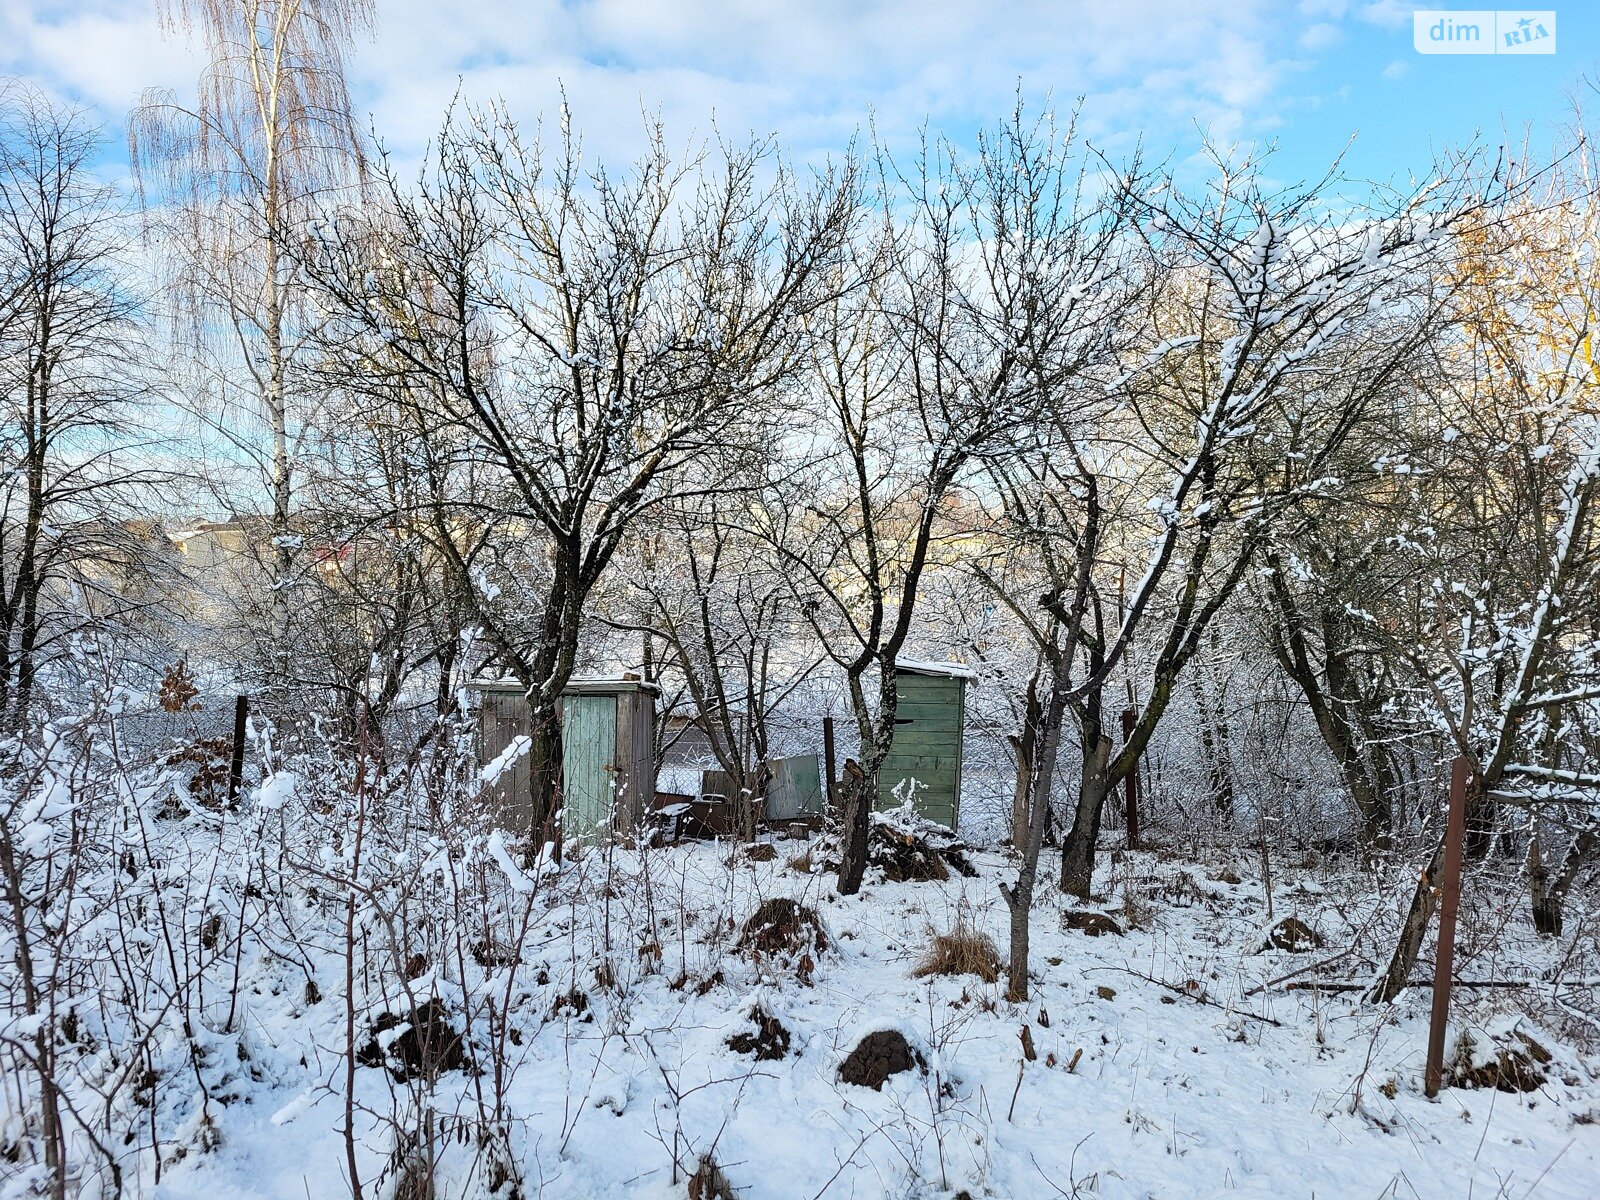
x,y
608,777
929,724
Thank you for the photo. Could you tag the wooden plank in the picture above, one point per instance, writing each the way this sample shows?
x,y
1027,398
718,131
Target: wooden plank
x,y
503,716
809,785
927,746
931,728
623,817
718,783
830,763
933,743
925,712
796,787
928,730
933,763
634,777
934,785
644,753
929,790
961,735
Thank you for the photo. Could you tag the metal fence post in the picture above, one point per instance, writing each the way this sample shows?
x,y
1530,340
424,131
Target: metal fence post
x,y
829,766
1131,783
1449,903
241,711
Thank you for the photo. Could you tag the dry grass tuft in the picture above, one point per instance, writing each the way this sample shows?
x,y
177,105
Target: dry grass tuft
x,y
962,951
709,1183
1137,910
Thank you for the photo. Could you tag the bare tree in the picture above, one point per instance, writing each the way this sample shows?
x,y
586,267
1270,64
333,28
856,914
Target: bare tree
x,y
1503,645
1277,333
1058,282
712,593
71,556
963,324
573,345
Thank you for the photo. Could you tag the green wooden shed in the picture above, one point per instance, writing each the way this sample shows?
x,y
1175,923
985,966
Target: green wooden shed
x,y
927,739
608,776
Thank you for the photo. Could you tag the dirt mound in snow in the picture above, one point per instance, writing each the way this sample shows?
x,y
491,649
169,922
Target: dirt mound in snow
x,y
1292,934
1509,1061
903,848
783,926
427,1046
877,1056
1095,924
768,1041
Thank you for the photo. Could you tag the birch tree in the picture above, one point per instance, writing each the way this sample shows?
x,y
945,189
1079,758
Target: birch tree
x,y
230,182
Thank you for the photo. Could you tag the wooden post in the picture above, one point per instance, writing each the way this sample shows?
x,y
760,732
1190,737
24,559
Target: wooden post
x,y
1131,784
829,766
241,712
1449,903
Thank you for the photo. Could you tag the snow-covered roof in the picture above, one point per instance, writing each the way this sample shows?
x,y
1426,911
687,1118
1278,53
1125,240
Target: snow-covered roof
x,y
610,683
950,670
593,683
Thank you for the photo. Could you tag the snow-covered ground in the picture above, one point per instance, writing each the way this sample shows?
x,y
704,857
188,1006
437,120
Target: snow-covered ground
x,y
1156,1074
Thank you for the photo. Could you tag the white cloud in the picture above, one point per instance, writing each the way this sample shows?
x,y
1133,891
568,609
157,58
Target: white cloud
x,y
1398,69
1321,36
1391,14
814,73
103,52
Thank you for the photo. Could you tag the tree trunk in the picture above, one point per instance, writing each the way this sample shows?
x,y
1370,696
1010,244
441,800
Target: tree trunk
x,y
1546,908
1077,850
1549,896
1482,815
1213,748
857,812
861,785
276,402
1025,743
1331,709
544,776
1412,930
546,677
1041,730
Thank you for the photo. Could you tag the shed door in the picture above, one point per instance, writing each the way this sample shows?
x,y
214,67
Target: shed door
x,y
927,747
588,741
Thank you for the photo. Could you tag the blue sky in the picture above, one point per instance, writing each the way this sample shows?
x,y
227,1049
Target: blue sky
x,y
1307,74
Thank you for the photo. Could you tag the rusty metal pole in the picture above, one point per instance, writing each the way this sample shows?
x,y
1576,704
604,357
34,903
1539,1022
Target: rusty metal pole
x,y
241,712
1449,903
829,765
1131,783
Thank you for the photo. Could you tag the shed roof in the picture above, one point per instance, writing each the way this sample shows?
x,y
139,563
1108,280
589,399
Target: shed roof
x,y
589,686
948,670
